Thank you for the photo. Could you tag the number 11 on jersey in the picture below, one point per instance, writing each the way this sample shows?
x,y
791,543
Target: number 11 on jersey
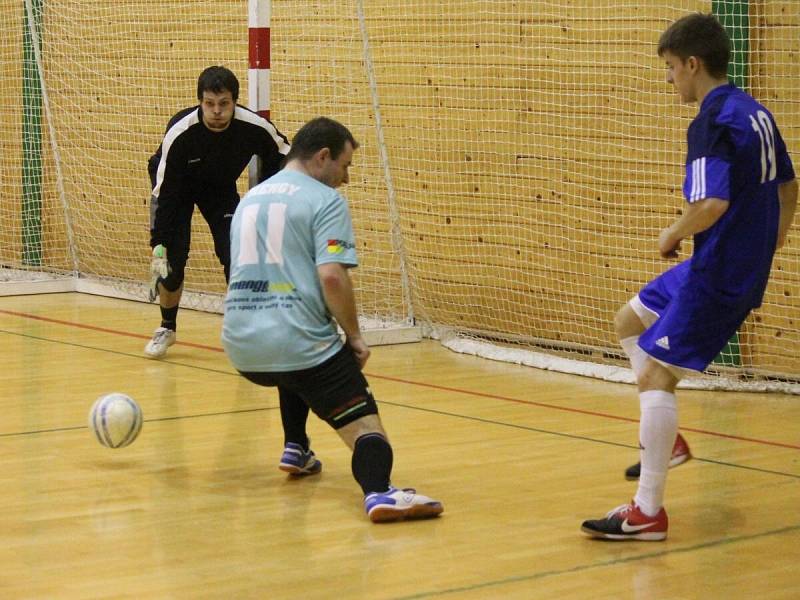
x,y
248,234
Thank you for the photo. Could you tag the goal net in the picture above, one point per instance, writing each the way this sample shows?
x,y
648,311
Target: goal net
x,y
518,159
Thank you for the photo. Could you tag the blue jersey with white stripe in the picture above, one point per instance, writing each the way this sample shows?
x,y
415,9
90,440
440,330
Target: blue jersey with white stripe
x,y
736,153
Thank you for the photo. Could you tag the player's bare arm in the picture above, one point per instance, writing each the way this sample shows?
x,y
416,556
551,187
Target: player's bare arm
x,y
787,194
697,216
338,292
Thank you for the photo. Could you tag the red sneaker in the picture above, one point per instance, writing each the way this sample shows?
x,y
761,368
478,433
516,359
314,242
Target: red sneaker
x,y
680,454
628,522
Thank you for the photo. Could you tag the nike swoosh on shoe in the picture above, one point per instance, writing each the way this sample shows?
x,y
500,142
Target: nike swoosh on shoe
x,y
627,528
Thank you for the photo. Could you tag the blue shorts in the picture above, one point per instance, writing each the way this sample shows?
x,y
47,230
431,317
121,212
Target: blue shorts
x,y
693,326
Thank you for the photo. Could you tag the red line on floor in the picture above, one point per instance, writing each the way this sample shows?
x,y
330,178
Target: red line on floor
x,y
581,411
102,329
416,383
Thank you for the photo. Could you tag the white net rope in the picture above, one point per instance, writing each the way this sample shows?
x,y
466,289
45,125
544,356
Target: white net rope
x,y
534,151
537,151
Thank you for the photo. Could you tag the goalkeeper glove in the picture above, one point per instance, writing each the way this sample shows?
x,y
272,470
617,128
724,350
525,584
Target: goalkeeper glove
x,y
159,269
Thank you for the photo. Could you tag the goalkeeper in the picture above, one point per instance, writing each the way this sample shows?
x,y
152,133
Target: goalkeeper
x,y
204,151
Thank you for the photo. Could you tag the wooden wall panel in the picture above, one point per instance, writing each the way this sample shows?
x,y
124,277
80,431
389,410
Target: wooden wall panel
x,y
535,148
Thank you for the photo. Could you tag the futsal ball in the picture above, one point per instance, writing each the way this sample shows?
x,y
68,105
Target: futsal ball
x,y
115,419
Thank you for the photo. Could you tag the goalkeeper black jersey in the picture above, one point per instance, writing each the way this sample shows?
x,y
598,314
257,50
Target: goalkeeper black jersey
x,y
195,164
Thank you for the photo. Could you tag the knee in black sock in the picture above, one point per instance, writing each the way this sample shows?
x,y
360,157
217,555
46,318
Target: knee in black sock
x,y
372,462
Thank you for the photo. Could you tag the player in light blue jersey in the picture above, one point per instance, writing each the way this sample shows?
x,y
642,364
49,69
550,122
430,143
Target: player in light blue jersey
x,y
292,244
741,192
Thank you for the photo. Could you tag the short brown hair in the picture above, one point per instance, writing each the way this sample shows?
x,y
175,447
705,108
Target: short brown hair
x,y
320,133
217,79
701,36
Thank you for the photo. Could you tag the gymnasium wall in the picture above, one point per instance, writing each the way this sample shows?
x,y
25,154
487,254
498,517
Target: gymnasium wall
x,y
534,150
775,79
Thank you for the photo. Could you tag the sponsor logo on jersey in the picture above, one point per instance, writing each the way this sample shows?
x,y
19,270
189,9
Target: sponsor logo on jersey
x,y
289,189
339,246
262,285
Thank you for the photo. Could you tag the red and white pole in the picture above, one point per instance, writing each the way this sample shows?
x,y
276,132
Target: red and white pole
x,y
258,73
259,13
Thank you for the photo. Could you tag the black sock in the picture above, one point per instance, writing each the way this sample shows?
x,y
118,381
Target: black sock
x,y
372,463
294,414
169,318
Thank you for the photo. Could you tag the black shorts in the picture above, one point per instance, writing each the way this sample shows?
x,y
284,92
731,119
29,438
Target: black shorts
x,y
218,213
335,390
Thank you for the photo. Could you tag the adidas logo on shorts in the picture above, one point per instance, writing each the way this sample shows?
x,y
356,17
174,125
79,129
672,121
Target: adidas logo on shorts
x,y
663,342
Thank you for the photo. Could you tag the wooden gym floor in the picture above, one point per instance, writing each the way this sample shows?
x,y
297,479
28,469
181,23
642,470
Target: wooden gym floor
x,y
196,507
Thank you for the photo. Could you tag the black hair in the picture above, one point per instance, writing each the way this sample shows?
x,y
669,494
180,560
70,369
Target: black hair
x,y
701,36
217,79
320,133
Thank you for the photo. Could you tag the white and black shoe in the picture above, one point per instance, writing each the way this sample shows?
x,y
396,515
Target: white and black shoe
x,y
163,338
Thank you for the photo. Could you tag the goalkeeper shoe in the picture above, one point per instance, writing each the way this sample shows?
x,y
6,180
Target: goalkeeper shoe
x,y
680,454
163,338
299,462
394,505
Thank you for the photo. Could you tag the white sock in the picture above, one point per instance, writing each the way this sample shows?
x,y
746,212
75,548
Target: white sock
x,y
657,430
637,356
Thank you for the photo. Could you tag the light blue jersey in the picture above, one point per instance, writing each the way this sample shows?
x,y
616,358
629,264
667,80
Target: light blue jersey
x,y
276,319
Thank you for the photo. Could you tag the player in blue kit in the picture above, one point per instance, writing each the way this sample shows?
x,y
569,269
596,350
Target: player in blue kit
x,y
292,244
741,193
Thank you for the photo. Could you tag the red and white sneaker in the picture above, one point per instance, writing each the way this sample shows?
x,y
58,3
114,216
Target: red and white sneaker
x,y
680,454
628,522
